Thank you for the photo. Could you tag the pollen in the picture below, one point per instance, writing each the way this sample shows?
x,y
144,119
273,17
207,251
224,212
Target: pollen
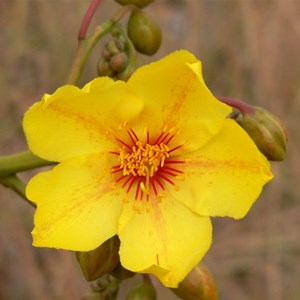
x,y
146,167
143,160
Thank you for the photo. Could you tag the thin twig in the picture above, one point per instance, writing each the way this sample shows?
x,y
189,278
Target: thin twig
x,y
87,19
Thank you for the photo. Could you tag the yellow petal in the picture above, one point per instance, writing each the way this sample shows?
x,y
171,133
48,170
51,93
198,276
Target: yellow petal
x,y
72,122
77,208
168,241
226,176
176,96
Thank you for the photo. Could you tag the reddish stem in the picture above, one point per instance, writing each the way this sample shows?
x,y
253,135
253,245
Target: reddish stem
x,y
241,106
87,19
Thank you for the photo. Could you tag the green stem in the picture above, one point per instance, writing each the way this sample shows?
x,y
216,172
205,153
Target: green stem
x,y
15,184
86,45
19,162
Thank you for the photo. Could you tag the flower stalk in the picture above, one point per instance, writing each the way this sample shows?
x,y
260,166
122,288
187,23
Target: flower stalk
x,y
17,185
86,45
19,162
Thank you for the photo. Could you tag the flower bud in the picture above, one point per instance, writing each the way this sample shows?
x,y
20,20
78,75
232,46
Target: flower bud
x,y
138,3
100,261
266,131
144,33
198,284
119,61
114,46
104,68
146,291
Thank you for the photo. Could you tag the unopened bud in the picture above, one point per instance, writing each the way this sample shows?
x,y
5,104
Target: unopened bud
x,y
104,68
266,131
106,54
100,261
119,61
114,46
198,285
133,63
144,33
138,3
146,291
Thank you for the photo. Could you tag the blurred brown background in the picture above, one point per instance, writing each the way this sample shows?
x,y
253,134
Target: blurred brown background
x,y
249,49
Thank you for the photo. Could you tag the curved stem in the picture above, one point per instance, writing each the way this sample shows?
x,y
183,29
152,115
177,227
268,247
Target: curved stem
x,y
241,106
86,45
87,19
19,162
17,185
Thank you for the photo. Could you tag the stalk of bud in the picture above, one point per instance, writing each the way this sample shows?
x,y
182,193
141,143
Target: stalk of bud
x,y
198,285
100,261
146,291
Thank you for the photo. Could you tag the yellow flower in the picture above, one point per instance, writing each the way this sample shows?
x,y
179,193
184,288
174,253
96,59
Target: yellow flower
x,y
149,160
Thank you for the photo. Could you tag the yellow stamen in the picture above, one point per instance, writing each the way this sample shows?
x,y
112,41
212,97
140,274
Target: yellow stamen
x,y
143,159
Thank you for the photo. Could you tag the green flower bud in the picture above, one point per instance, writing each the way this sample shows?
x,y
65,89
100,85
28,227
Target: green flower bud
x,y
266,131
100,261
138,3
119,61
133,62
198,284
106,54
114,46
144,33
104,68
146,291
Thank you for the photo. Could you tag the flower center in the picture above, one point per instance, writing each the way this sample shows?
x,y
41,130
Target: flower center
x,y
143,160
147,167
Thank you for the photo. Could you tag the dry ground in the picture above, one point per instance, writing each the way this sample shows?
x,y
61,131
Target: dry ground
x,y
249,49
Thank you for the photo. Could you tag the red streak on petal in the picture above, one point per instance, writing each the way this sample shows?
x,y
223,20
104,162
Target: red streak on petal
x,y
154,187
116,166
132,135
142,195
163,170
120,178
134,178
169,139
166,178
148,137
128,179
174,162
116,170
164,138
114,152
137,190
123,143
159,137
175,148
173,169
159,182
